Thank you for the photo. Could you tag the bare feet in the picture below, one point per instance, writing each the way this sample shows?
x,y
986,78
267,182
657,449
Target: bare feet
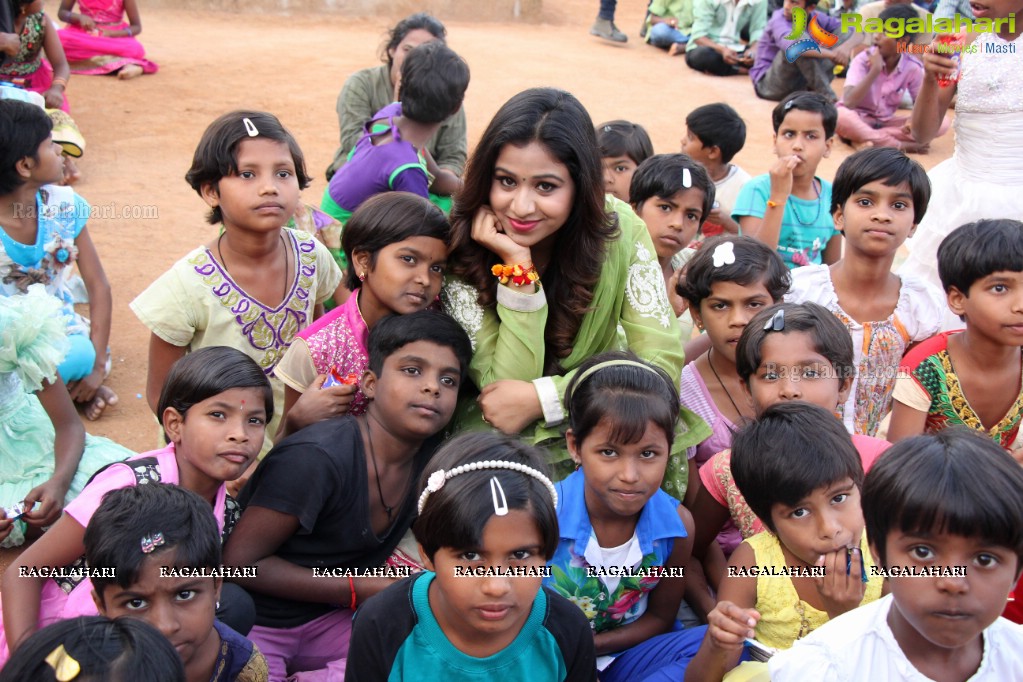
x,y
676,49
104,398
71,172
130,71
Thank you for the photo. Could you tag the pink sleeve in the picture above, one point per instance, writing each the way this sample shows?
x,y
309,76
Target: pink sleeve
x,y
858,68
84,506
870,449
711,480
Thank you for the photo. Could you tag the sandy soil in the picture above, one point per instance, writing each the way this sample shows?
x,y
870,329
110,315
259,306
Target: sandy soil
x,y
141,133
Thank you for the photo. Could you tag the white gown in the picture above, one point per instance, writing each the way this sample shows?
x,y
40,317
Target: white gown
x,y
984,177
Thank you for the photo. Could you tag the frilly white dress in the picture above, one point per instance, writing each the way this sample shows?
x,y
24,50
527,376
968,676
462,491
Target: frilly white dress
x,y
984,175
33,341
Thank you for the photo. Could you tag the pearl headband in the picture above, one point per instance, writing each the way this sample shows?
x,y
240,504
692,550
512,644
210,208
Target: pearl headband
x,y
438,478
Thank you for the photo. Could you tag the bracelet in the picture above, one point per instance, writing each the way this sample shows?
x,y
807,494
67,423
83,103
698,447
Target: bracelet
x,y
519,275
351,586
62,82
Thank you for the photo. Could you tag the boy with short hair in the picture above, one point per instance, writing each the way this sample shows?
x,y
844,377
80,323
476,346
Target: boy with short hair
x,y
774,76
341,494
948,506
970,376
789,208
391,154
874,87
715,133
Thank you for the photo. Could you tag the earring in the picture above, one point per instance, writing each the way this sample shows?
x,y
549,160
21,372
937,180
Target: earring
x,y
362,276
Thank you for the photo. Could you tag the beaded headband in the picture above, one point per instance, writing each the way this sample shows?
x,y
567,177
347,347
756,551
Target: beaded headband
x,y
438,478
610,363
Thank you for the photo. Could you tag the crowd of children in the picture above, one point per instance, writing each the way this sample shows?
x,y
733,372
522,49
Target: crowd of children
x,y
609,415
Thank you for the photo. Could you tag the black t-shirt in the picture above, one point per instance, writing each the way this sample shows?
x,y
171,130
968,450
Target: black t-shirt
x,y
319,476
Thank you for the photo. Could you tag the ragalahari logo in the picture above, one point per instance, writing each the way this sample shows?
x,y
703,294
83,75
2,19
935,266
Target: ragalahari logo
x,y
818,36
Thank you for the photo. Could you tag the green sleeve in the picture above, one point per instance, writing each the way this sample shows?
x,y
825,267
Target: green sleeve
x,y
355,106
449,147
704,14
758,20
685,17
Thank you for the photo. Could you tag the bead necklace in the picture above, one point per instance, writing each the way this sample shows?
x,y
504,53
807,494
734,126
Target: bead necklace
x,y
710,362
817,191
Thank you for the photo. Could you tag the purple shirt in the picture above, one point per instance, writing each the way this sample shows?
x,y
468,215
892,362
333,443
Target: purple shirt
x,y
773,39
885,94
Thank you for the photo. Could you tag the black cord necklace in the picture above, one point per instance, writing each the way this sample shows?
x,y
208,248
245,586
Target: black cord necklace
x,y
287,265
710,361
388,508
817,191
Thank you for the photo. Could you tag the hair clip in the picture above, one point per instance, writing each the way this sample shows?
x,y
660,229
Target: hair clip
x,y
500,506
608,129
724,254
151,542
776,323
250,127
788,105
687,178
64,667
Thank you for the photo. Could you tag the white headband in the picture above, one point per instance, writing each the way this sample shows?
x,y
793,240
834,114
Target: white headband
x,y
440,477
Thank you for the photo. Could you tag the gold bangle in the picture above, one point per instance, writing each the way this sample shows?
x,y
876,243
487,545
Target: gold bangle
x,y
62,82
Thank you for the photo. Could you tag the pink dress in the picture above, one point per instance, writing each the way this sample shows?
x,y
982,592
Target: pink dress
x,y
72,597
96,55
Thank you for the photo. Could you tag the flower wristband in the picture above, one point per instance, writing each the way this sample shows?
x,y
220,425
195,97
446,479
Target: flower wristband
x,y
519,275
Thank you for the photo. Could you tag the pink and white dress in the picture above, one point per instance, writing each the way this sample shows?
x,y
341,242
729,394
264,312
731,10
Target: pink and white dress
x,y
94,54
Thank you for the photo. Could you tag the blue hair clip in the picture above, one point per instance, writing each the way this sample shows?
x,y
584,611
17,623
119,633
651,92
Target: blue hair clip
x,y
776,323
788,105
151,542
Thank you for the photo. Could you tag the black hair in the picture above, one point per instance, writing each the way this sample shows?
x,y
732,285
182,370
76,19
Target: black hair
x,y
629,397
418,21
23,127
114,536
955,481
887,165
433,83
975,250
216,155
204,373
812,102
105,649
388,218
830,338
393,332
792,449
718,125
558,122
900,11
624,138
662,176
456,515
754,262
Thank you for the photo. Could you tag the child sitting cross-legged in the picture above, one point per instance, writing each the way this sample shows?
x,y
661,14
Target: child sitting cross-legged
x,y
799,472
944,515
341,494
161,542
486,527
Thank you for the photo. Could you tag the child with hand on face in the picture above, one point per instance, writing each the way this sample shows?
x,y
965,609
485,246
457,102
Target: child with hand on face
x,y
972,376
257,284
623,147
613,517
215,406
397,253
487,525
787,209
715,133
801,475
878,198
945,511
159,540
339,494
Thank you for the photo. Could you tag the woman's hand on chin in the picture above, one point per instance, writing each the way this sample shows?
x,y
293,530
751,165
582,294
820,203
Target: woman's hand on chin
x,y
487,232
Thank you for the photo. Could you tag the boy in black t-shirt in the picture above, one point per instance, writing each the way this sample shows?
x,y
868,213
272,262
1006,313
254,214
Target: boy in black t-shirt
x,y
340,494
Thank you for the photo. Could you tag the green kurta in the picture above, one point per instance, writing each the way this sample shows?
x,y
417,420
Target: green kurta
x,y
629,310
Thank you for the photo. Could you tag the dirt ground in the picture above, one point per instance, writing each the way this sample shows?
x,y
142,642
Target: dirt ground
x,y
141,133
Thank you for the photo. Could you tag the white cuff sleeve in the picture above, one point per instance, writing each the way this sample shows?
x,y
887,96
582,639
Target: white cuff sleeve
x,y
550,401
521,302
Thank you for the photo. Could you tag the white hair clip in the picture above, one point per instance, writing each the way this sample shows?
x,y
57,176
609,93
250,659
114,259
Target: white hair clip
x,y
776,323
438,478
250,127
500,505
724,254
687,178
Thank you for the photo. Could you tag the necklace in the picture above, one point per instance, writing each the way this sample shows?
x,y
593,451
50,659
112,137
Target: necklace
x,y
710,361
388,508
287,265
817,191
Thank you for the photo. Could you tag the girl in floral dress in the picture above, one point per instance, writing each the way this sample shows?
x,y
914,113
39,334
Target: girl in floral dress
x,y
614,518
43,233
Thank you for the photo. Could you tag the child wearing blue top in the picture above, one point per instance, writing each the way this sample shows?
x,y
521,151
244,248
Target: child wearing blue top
x,y
788,208
624,542
486,527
